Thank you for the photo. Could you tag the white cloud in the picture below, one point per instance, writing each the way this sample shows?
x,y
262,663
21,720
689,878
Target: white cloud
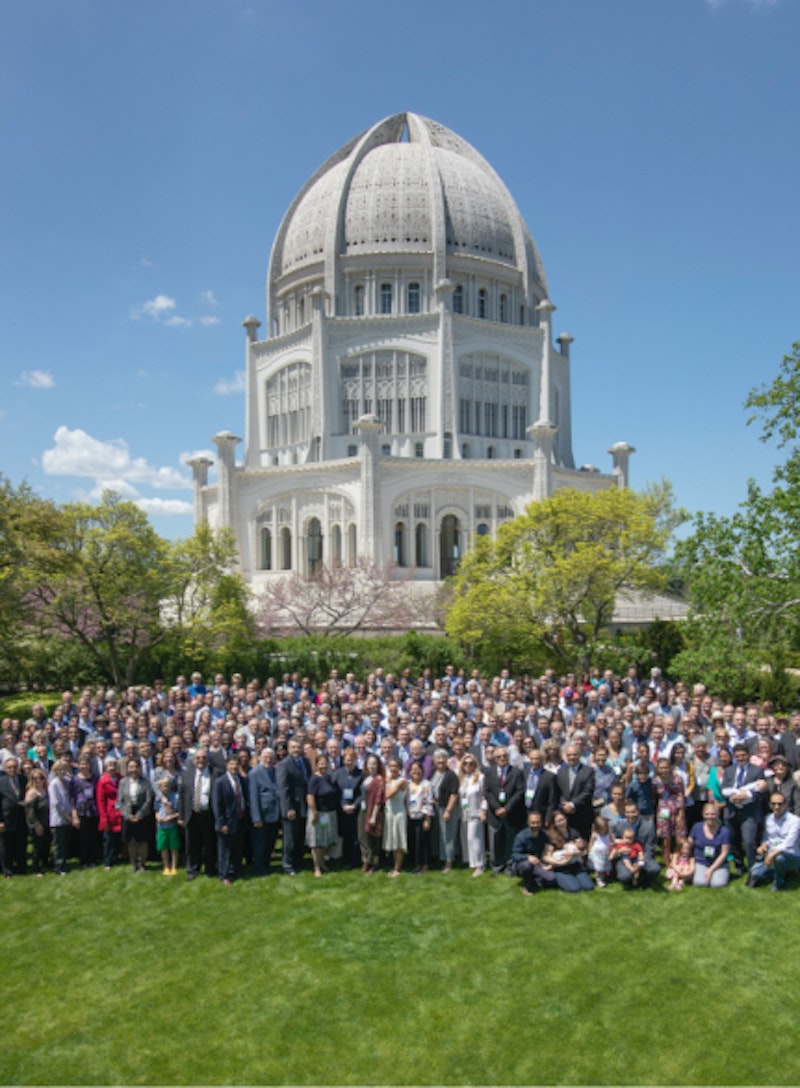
x,y
234,385
169,507
76,453
121,486
145,262
163,310
36,379
158,308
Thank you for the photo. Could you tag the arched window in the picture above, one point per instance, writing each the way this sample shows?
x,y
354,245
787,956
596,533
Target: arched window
x,y
413,298
421,545
358,299
517,454
386,450
286,548
351,545
400,544
336,546
490,453
314,546
483,529
482,302
458,299
386,298
465,450
352,451
266,549
447,452
449,545
301,311
504,308
419,449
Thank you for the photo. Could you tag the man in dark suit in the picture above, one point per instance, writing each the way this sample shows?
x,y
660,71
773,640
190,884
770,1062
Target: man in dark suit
x,y
265,810
294,772
744,812
228,804
540,786
504,791
196,815
575,791
13,827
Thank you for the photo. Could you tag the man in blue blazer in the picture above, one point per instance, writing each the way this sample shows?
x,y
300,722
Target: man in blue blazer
x,y
744,786
265,809
227,801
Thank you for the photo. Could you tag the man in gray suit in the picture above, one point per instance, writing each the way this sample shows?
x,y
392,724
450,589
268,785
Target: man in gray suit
x,y
265,810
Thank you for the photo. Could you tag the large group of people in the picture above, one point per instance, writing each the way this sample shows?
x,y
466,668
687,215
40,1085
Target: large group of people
x,y
564,782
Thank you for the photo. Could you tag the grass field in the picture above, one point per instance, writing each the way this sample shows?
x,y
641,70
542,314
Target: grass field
x,y
113,978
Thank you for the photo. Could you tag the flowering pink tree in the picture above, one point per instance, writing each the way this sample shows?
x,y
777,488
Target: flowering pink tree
x,y
339,601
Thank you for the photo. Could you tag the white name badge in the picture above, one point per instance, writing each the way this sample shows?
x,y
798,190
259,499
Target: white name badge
x,y
347,795
529,795
502,797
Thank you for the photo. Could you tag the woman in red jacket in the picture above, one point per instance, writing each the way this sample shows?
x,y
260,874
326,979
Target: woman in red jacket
x,y
110,818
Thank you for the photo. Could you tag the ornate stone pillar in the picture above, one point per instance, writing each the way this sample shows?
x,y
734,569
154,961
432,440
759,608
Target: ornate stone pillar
x,y
226,444
199,467
252,434
621,453
370,542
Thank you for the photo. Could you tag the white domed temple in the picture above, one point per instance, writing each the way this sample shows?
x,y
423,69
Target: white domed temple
x,y
408,393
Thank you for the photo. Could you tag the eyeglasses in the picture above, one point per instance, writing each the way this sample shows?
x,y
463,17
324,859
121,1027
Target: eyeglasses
x,y
777,804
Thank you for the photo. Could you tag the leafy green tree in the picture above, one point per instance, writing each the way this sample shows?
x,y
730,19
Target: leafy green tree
x,y
743,572
211,622
101,582
548,582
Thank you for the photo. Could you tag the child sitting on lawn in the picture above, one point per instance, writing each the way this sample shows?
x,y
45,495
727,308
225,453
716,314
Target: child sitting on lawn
x,y
630,853
681,865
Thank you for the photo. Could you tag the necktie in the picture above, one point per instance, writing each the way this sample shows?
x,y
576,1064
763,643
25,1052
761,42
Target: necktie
x,y
198,792
740,777
571,780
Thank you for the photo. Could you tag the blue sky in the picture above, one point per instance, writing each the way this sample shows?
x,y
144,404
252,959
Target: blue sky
x,y
150,151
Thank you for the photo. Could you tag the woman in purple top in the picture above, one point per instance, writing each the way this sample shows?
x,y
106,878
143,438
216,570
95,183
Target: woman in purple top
x,y
711,842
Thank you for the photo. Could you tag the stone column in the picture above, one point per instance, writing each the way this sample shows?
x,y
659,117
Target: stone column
x,y
199,467
252,435
621,453
324,380
370,544
543,431
445,395
226,444
543,435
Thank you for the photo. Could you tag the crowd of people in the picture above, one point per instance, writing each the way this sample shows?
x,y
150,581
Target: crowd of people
x,y
564,782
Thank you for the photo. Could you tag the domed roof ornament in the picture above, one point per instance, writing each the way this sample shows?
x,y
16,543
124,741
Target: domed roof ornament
x,y
406,185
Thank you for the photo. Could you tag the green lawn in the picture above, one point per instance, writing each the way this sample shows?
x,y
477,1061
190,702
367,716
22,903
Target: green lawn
x,y
115,978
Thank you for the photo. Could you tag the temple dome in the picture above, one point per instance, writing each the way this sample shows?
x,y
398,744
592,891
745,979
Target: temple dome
x,y
406,186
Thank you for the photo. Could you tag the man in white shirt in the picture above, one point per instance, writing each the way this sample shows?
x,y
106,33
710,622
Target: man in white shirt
x,y
780,851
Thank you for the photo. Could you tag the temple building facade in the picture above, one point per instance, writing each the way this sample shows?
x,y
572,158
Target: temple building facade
x,y
409,392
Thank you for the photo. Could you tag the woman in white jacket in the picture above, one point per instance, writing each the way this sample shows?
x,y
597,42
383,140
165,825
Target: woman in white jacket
x,y
473,814
60,814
